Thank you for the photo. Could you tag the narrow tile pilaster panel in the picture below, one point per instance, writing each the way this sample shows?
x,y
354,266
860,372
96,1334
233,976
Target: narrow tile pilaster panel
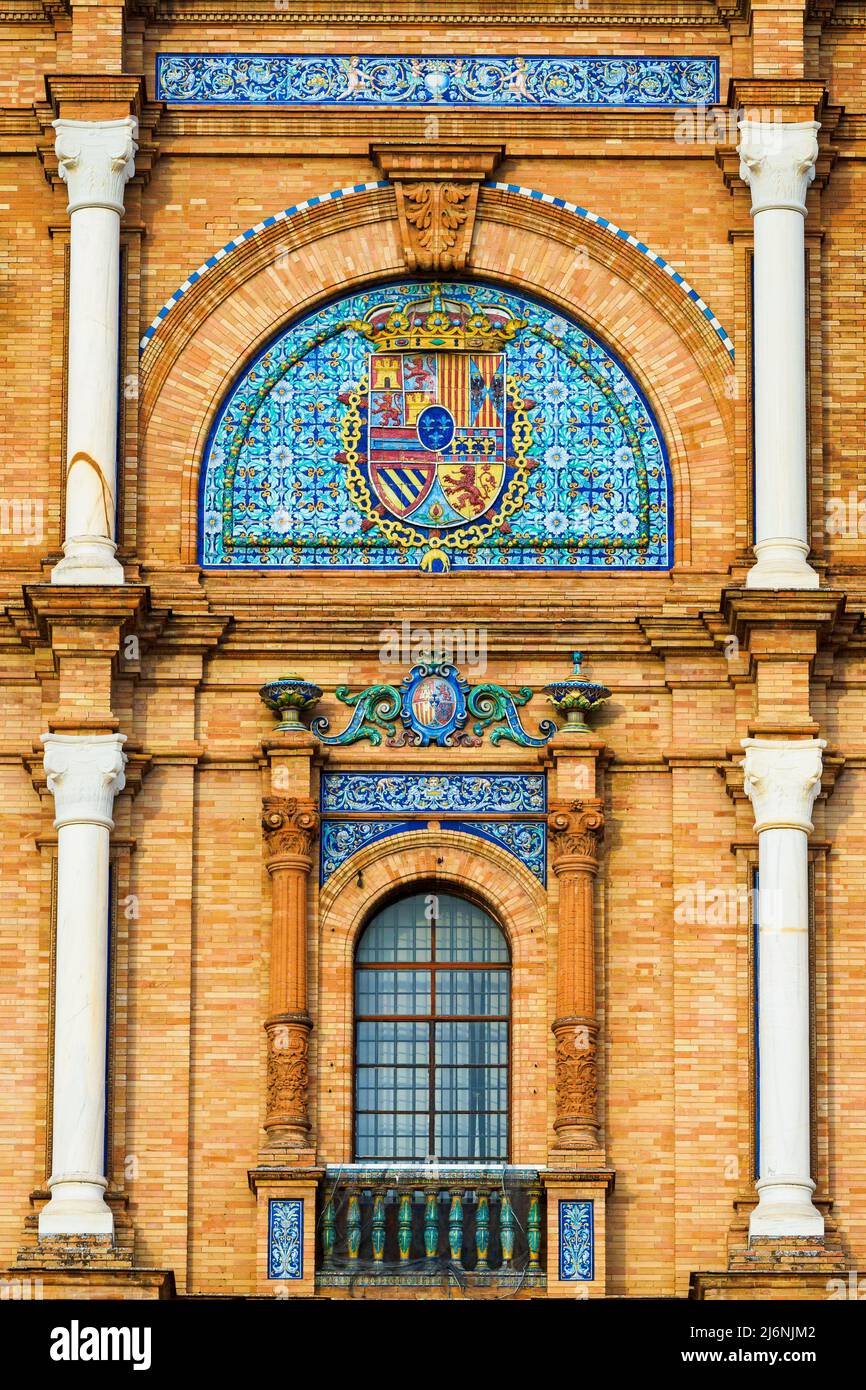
x,y
286,1238
576,1240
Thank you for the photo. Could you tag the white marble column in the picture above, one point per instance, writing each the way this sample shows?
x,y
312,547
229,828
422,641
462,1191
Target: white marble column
x,y
96,158
84,775
782,779
777,160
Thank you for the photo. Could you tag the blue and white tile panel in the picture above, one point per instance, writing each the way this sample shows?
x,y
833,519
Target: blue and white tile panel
x,y
285,1238
576,1241
504,81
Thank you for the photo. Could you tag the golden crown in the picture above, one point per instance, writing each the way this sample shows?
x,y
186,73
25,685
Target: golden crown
x,y
437,331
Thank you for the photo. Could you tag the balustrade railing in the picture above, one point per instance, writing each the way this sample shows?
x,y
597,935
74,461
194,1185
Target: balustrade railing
x,y
417,1224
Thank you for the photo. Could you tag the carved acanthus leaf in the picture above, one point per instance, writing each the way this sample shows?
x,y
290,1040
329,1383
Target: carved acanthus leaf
x,y
290,825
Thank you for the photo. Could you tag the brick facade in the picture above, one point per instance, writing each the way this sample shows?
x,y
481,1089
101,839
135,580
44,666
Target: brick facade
x,y
694,666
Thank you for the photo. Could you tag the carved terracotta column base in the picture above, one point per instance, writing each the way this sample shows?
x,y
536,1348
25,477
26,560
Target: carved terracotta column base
x,y
576,1122
287,1124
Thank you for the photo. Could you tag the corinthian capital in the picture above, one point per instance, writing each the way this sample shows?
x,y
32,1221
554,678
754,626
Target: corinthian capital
x,y
576,831
782,781
96,160
290,826
777,161
84,773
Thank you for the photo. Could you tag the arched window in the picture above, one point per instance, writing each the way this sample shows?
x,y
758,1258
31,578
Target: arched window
x,y
432,1006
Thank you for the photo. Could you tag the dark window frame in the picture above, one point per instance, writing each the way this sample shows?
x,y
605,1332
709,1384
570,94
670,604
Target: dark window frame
x,y
430,965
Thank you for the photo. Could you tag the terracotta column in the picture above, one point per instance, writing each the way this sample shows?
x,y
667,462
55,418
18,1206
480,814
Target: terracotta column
x,y
290,826
576,833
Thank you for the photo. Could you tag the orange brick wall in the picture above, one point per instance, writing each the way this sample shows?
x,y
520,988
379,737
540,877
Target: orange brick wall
x,y
191,988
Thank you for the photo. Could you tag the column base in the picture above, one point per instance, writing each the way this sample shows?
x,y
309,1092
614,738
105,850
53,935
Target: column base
x,y
781,564
77,1207
785,1209
88,560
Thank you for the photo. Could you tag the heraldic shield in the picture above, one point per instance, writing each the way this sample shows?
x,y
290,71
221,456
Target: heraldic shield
x,y
436,436
437,428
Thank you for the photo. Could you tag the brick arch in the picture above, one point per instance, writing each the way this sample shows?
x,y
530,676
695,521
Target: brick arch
x,y
337,247
472,868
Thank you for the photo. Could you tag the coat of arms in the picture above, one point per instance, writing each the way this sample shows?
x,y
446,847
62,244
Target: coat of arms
x,y
436,435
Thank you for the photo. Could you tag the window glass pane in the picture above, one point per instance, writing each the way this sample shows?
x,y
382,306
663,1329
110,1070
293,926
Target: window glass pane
x,y
471,1044
397,1054
401,932
472,992
465,933
471,1136
471,1088
392,1088
392,991
402,1043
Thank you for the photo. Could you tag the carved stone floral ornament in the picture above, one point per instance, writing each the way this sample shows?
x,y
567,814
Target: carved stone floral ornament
x,y
290,826
288,1076
436,187
576,832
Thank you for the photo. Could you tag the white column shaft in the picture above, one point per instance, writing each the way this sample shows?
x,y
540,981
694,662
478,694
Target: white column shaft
x,y
782,779
84,774
92,397
95,159
777,160
780,384
785,1185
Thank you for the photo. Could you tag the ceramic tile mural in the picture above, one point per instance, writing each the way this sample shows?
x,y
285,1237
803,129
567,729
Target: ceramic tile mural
x,y
370,79
576,1237
286,1238
509,438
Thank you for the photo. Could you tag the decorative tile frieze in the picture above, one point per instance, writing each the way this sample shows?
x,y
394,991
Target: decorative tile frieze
x,y
373,79
285,1238
526,840
576,1240
342,839
478,799
467,792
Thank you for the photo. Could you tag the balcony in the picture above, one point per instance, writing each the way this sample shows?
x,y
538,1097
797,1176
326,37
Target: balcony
x,y
460,1227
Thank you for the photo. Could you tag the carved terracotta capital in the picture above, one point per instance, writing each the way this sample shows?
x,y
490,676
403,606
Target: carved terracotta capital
x,y
576,832
290,827
436,187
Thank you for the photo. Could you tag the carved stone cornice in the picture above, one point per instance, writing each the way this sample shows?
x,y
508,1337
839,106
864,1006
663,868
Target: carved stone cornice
x,y
290,827
437,197
576,832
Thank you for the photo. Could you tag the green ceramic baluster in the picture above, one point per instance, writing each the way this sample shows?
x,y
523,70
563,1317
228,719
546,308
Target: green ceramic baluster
x,y
404,1224
533,1230
378,1225
482,1231
353,1226
506,1230
431,1226
329,1230
455,1227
